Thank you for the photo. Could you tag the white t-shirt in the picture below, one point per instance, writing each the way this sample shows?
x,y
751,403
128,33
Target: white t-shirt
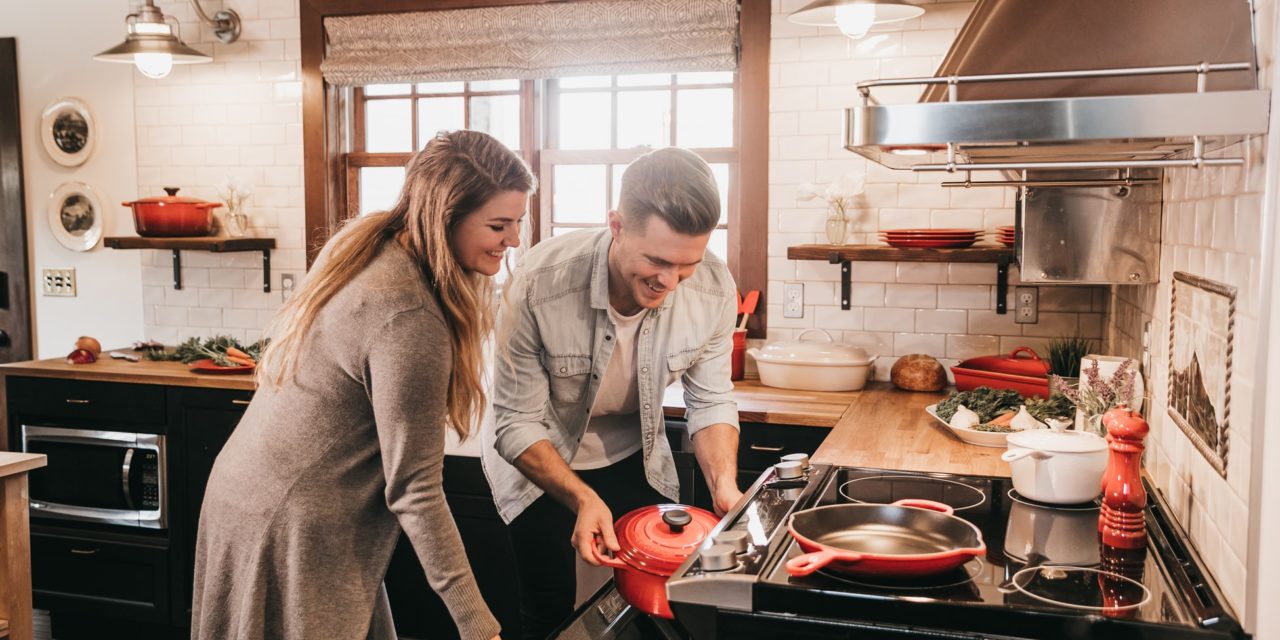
x,y
614,430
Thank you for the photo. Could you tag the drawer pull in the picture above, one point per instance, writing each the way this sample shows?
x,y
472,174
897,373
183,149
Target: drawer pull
x,y
84,552
76,401
240,402
758,447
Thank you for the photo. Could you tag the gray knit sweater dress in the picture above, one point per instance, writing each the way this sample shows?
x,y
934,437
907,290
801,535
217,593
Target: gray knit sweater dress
x,y
306,501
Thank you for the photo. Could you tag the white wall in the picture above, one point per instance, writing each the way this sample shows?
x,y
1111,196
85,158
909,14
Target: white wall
x,y
944,310
56,41
238,115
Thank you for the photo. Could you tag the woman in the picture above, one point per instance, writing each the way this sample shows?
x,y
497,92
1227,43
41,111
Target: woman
x,y
374,357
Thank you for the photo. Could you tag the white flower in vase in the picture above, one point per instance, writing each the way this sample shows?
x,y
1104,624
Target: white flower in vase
x,y
840,196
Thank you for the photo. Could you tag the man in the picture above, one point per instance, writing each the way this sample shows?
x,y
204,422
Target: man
x,y
595,326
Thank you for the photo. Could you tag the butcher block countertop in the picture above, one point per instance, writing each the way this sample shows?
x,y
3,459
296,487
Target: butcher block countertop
x,y
879,427
108,369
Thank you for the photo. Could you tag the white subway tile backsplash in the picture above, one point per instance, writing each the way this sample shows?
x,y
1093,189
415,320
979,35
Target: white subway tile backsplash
x,y
915,296
872,271
922,272
957,296
965,273
963,347
927,343
922,196
941,321
833,318
889,320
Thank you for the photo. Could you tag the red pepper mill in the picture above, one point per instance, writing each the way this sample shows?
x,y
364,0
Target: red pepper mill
x,y
1121,522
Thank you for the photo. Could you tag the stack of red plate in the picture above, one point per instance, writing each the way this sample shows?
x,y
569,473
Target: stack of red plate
x,y
1005,236
931,238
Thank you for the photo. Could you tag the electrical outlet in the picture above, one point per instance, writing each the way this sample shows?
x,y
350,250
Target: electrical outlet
x,y
793,300
1026,301
287,284
59,282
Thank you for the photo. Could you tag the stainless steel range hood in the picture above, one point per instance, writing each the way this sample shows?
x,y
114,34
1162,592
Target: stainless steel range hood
x,y
1076,84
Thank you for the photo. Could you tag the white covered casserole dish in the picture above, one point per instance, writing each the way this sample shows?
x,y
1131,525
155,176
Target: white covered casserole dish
x,y
812,365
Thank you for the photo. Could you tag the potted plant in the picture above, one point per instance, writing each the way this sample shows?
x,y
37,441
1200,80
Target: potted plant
x,y
1065,355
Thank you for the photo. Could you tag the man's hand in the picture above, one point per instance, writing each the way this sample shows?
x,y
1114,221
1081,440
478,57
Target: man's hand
x,y
726,496
594,520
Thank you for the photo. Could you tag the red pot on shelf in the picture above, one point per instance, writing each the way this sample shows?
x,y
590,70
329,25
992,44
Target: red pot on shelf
x,y
172,215
655,541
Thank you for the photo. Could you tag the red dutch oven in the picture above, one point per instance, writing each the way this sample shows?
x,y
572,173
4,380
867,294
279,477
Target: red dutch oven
x,y
1028,376
172,215
908,538
655,541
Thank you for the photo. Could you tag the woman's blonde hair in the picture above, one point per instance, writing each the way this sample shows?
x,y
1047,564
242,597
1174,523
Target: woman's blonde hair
x,y
455,174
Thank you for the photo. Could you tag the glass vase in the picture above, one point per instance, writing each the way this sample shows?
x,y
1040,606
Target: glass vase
x,y
837,227
237,224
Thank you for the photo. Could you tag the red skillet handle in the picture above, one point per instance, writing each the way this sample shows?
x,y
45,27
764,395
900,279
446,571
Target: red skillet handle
x,y
810,562
925,504
1024,349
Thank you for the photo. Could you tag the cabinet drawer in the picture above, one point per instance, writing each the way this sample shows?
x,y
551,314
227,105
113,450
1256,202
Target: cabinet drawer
x,y
81,400
102,578
761,445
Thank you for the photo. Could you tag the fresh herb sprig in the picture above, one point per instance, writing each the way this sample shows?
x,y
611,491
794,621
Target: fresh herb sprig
x,y
1066,353
214,348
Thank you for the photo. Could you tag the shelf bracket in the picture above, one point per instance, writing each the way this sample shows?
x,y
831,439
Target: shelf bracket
x,y
845,270
1002,285
266,271
177,269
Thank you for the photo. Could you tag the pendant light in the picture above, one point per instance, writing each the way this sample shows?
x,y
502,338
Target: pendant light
x,y
153,44
854,17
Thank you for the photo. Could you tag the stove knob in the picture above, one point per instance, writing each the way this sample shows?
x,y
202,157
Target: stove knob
x,y
802,458
719,557
736,539
789,470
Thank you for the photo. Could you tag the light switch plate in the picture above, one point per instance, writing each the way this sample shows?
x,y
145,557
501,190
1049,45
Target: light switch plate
x,y
793,300
58,282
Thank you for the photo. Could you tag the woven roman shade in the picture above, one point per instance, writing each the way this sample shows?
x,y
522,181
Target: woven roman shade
x,y
533,41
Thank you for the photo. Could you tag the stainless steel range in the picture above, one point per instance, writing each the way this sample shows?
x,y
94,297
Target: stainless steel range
x,y
1045,574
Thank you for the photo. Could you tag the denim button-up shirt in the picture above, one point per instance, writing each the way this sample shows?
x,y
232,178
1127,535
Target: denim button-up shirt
x,y
556,338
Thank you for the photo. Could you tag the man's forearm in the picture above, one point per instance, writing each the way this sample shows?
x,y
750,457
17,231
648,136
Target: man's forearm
x,y
542,464
716,448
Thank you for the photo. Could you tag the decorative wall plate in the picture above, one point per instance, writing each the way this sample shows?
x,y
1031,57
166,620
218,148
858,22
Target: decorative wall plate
x,y
68,132
76,216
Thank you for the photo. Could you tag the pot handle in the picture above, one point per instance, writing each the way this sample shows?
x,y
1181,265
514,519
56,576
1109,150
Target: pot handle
x,y
800,338
1026,350
810,562
608,561
753,352
925,504
1012,455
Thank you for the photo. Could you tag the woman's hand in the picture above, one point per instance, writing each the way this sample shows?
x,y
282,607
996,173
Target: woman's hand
x,y
594,520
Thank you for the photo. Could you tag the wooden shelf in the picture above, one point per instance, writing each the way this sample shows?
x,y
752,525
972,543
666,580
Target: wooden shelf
x,y
856,252
845,254
214,244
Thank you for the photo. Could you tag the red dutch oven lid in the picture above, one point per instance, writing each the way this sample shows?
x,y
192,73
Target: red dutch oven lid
x,y
1012,364
657,539
174,198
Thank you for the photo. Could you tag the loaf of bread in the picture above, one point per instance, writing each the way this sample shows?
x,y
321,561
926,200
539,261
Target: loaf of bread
x,y
918,372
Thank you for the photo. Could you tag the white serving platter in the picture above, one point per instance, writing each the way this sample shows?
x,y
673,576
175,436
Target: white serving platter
x,y
972,436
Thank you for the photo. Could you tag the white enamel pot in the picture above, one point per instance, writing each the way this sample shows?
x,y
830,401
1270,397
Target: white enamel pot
x,y
813,365
1057,467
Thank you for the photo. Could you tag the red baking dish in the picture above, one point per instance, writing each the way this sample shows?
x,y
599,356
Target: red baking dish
x,y
1027,376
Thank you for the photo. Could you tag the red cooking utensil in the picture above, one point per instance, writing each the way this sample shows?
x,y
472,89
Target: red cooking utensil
x,y
748,306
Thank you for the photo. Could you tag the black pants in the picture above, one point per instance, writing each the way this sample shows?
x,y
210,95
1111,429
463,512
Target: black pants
x,y
545,554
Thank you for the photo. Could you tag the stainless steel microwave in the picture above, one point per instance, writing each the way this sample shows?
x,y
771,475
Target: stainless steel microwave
x,y
108,477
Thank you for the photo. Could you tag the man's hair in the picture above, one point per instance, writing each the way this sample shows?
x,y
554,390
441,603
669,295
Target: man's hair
x,y
674,184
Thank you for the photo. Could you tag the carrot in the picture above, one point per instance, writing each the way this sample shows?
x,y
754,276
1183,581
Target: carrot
x,y
1004,419
248,362
234,352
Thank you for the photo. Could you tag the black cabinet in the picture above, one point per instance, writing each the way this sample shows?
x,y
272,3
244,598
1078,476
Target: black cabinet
x,y
760,446
103,575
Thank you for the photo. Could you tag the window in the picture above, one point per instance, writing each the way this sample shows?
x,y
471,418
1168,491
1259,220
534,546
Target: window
x,y
594,127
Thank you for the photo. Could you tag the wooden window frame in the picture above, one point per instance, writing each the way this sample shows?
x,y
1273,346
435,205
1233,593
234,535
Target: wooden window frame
x,y
323,132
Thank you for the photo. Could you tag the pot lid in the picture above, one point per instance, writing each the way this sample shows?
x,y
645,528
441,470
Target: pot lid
x,y
657,539
1057,441
815,352
172,198
1028,364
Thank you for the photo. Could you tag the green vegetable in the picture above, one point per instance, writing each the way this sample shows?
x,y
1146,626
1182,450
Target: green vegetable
x,y
214,348
1065,355
988,403
1057,406
994,428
